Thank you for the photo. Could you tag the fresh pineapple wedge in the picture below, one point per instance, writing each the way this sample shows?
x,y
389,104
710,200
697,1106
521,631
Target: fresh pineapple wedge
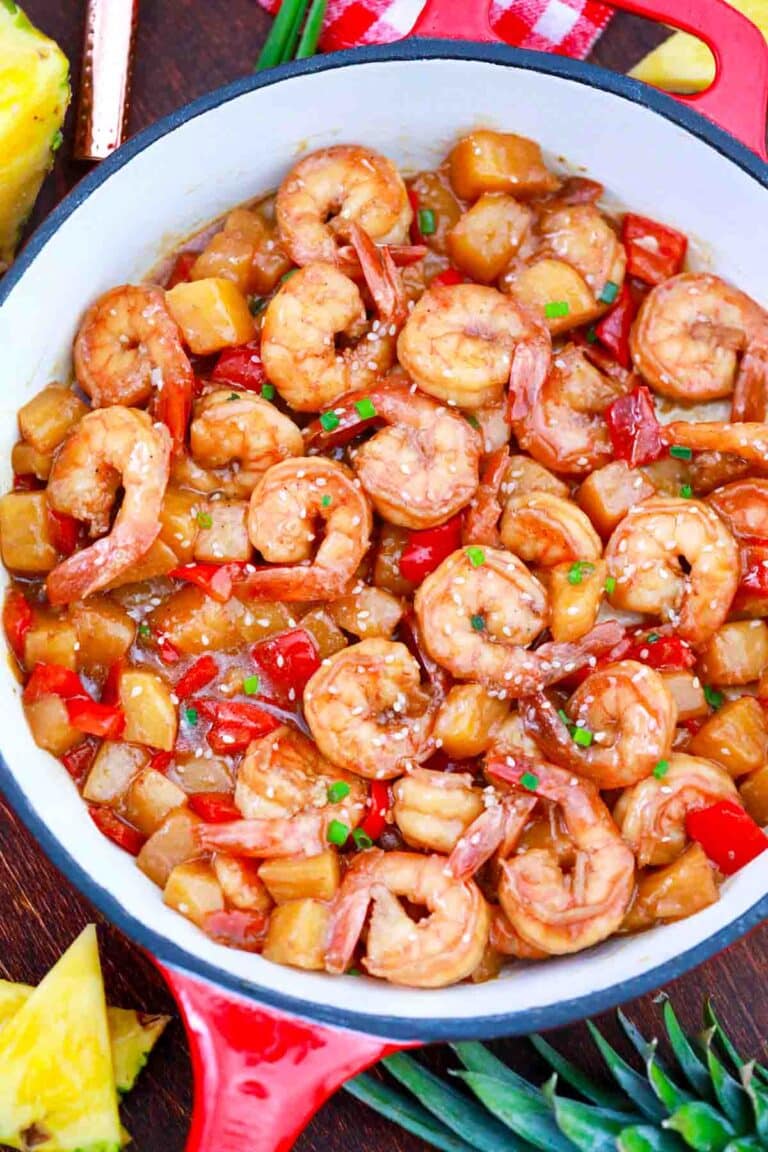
x,y
57,1085
34,94
685,64
132,1034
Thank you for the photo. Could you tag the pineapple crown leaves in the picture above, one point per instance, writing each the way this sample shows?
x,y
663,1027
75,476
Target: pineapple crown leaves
x,y
708,1098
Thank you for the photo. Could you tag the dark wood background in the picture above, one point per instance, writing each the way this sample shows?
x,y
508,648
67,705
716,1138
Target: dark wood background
x,y
185,48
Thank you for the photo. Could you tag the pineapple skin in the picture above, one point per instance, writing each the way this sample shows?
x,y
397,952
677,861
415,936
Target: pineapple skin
x,y
34,96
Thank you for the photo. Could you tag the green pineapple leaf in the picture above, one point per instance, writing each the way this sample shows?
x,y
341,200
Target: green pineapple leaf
x,y
671,1096
731,1097
527,1117
646,1138
745,1144
635,1085
587,1126
398,1107
691,1066
724,1040
642,1046
477,1058
758,1094
701,1126
575,1077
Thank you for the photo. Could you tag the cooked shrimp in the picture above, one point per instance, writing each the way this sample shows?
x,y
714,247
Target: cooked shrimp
x,y
433,809
368,712
508,942
319,306
651,815
551,910
110,449
282,792
128,346
747,441
240,429
580,235
286,505
423,467
688,336
545,530
502,478
440,949
560,420
744,507
479,611
630,714
335,187
644,557
464,343
497,829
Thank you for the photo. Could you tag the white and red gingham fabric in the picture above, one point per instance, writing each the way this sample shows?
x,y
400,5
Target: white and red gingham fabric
x,y
570,27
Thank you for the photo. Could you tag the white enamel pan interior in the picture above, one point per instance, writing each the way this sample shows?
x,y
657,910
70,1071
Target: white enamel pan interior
x,y
410,103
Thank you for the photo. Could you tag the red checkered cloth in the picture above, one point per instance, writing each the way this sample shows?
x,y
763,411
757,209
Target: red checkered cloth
x,y
570,27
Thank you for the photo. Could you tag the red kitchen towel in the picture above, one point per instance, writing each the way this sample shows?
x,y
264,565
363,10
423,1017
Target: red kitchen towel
x,y
567,26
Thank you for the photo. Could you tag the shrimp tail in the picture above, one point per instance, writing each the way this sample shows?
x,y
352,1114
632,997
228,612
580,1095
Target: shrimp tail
x,y
84,573
295,584
381,276
264,838
483,515
531,362
750,395
563,658
500,825
542,722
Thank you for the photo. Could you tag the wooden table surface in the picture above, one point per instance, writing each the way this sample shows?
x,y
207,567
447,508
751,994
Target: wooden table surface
x,y
185,48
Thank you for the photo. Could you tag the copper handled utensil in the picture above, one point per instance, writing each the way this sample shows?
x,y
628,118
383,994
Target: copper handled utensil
x,y
105,83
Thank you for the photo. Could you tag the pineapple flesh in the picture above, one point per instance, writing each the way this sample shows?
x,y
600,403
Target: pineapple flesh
x,y
34,94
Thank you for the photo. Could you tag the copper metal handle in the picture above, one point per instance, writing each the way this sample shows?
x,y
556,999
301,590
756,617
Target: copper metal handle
x,y
105,84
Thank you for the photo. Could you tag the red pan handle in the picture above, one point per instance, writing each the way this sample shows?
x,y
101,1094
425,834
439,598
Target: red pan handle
x,y
737,100
260,1075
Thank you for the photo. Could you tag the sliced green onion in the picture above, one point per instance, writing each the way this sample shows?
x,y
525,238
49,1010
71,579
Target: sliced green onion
x,y
652,637
609,292
556,308
251,685
579,570
145,631
353,971
564,716
713,697
312,29
475,555
471,419
610,585
477,622
583,737
338,790
338,833
58,139
686,491
427,223
267,391
366,408
362,839
190,715
326,501
287,275
204,520
530,781
329,421
591,336
661,769
680,453
233,396
256,304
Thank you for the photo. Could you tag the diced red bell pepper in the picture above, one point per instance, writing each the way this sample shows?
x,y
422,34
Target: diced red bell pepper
x,y
17,620
654,251
634,430
216,580
237,929
65,532
236,712
105,720
416,236
667,653
161,761
241,366
110,692
27,482
196,677
613,329
728,835
229,739
447,278
173,406
78,760
181,269
116,830
53,680
375,820
754,569
215,807
425,550
694,725
168,653
350,424
287,661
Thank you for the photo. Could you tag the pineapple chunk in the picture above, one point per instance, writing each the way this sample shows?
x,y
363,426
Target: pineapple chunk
x,y
488,161
173,843
302,877
25,535
551,281
466,720
736,737
104,631
34,82
227,256
45,419
327,636
688,693
574,602
194,622
178,522
212,314
57,1062
435,194
27,461
608,494
297,934
488,236
672,893
158,561
193,890
51,641
112,772
226,540
48,721
149,799
736,654
240,883
150,714
369,612
754,795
